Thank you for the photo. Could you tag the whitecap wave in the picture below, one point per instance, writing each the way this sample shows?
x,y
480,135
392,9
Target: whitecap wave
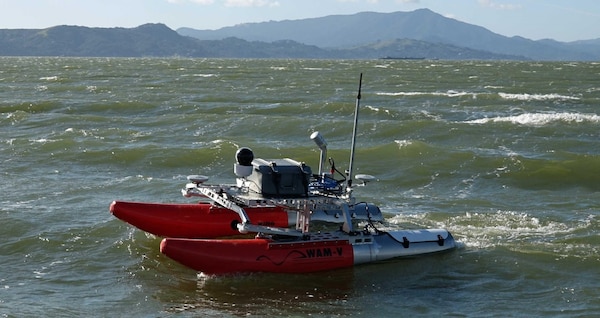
x,y
403,143
531,97
49,78
205,75
450,93
539,119
377,109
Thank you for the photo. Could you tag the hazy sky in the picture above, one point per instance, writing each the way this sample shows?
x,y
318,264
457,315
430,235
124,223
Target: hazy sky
x,y
563,20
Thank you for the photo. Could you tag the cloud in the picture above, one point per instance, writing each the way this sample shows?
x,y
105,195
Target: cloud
x,y
251,3
231,3
201,2
377,1
499,6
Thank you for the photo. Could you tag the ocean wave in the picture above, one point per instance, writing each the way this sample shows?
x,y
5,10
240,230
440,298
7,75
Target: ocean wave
x,y
378,109
450,93
49,78
578,170
538,97
539,119
488,230
514,230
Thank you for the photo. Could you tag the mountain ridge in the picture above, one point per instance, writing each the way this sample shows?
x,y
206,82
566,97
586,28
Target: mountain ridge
x,y
337,31
421,34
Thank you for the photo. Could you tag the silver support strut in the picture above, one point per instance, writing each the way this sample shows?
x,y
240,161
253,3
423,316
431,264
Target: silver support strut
x,y
215,196
347,226
245,226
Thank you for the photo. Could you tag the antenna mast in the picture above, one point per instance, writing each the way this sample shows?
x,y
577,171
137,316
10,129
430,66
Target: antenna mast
x,y
349,182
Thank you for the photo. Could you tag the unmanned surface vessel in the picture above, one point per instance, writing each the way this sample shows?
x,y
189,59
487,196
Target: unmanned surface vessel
x,y
273,203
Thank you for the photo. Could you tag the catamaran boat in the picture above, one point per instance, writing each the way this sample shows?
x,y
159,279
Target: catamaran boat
x,y
265,221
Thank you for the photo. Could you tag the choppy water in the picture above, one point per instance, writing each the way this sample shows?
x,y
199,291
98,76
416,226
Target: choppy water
x,y
506,155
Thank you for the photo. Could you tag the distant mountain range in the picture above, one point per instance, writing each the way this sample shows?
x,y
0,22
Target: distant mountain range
x,y
420,34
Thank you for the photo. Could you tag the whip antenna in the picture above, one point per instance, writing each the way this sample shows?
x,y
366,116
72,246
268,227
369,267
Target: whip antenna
x,y
349,182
